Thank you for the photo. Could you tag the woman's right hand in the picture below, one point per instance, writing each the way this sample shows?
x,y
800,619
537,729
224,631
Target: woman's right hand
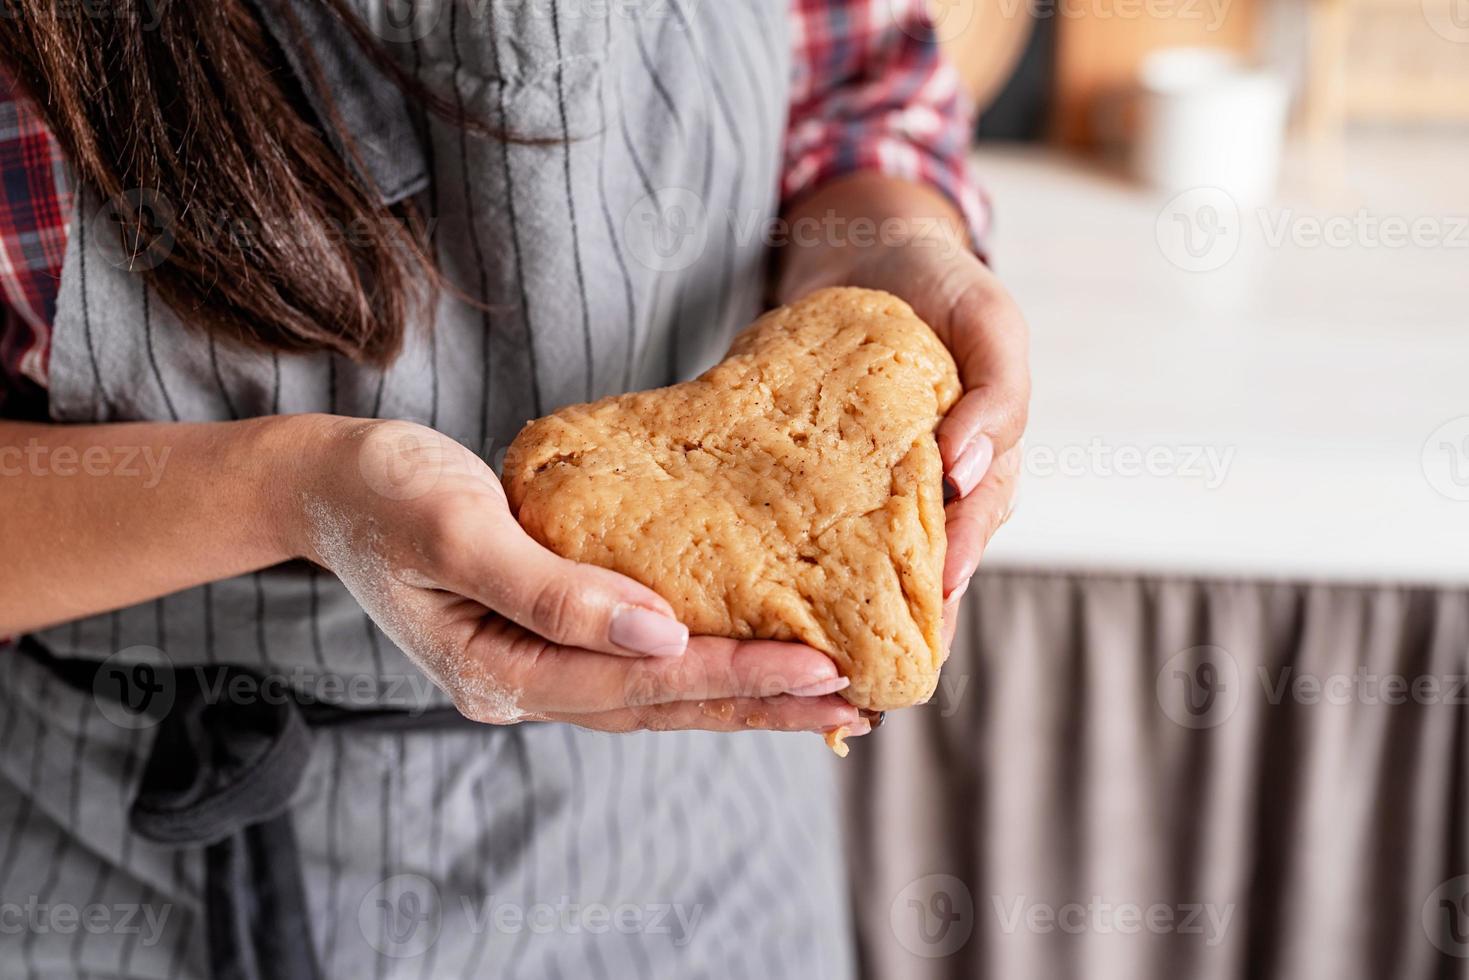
x,y
418,528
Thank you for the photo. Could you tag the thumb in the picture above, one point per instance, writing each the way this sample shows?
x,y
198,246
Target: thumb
x,y
571,603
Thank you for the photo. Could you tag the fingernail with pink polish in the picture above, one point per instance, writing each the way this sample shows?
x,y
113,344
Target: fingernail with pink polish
x,y
647,632
818,689
972,464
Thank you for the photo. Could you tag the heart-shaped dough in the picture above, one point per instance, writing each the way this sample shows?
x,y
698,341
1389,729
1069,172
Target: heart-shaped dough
x,y
792,492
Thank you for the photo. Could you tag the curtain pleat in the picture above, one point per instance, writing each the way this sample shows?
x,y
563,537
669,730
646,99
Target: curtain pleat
x,y
1136,777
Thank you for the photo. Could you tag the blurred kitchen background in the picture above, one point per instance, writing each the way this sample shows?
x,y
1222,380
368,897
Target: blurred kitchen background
x,y
1206,715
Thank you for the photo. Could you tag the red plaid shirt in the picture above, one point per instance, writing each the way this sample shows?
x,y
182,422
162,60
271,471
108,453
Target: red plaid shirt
x,y
870,91
34,204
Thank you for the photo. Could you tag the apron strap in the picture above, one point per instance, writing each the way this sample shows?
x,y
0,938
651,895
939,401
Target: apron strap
x,y
221,775
378,135
217,768
255,906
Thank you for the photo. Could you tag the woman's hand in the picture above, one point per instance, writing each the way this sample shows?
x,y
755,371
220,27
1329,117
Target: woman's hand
x,y
919,252
979,439
418,528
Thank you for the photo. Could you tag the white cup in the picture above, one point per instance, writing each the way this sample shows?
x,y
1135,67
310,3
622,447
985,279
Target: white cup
x,y
1208,120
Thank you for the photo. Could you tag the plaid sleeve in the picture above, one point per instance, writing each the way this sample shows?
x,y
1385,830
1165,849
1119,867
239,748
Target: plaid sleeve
x,y
34,204
873,91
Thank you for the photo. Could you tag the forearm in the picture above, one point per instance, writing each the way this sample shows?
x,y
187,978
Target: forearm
x,y
830,229
98,517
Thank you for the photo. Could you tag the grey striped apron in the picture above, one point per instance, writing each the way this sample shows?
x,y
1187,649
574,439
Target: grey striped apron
x,y
620,254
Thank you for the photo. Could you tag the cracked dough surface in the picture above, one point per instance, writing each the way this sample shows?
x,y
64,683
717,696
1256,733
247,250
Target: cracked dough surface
x,y
792,492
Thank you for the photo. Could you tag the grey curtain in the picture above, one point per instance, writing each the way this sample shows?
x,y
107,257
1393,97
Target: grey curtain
x,y
1141,777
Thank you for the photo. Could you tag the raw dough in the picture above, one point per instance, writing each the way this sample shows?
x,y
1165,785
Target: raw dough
x,y
792,492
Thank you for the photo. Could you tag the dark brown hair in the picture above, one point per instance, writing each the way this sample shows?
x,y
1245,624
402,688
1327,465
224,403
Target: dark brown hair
x,y
190,101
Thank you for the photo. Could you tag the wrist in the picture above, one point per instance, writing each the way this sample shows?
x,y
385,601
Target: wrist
x,y
299,453
859,222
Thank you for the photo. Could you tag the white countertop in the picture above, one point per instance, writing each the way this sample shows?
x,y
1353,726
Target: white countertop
x,y
1289,393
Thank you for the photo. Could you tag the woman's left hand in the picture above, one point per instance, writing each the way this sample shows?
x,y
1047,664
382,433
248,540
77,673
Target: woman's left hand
x,y
947,285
